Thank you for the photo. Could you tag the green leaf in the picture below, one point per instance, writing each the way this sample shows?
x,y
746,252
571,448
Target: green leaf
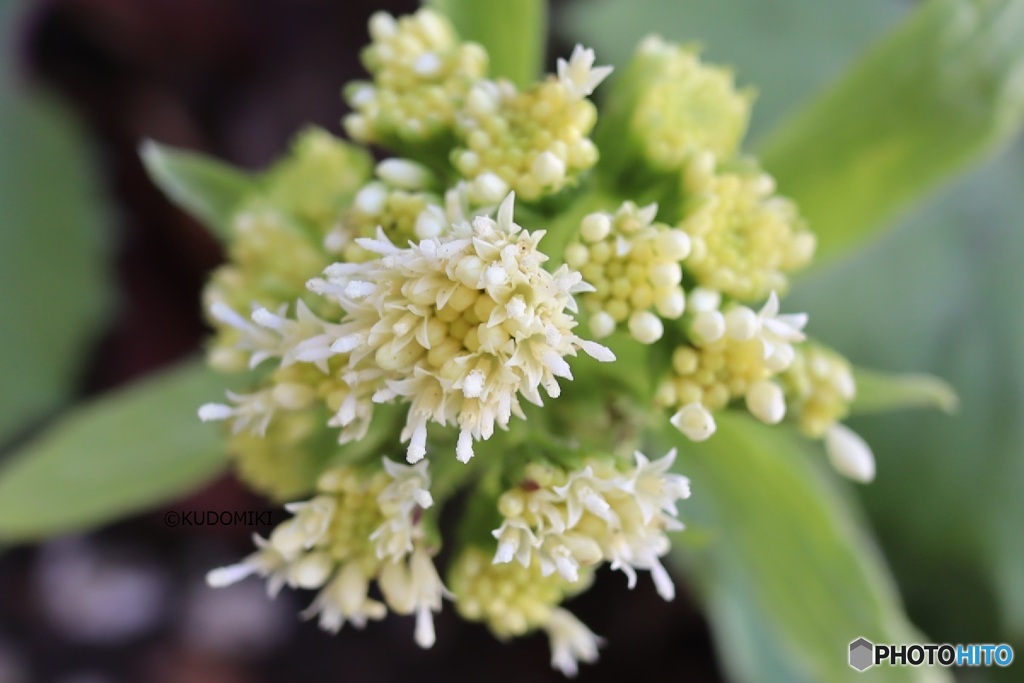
x,y
937,94
513,31
790,577
53,256
785,49
123,453
879,392
948,490
208,189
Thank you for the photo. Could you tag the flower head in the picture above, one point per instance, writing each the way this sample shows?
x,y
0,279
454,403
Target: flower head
x,y
745,239
566,521
459,327
534,141
430,307
734,352
343,539
421,73
686,106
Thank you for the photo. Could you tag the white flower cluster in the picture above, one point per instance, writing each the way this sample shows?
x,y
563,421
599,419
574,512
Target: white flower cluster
x,y
596,514
458,326
426,294
324,546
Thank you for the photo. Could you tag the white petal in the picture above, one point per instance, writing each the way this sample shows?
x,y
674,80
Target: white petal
x,y
215,411
226,576
464,448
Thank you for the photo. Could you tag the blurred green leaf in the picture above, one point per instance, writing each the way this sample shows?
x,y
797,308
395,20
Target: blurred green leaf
x,y
784,48
949,488
123,453
513,31
939,92
206,188
790,577
53,261
879,392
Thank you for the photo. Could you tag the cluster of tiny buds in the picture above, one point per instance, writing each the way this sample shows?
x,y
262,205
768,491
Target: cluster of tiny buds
x,y
633,264
686,106
513,600
735,352
401,202
745,238
421,76
535,141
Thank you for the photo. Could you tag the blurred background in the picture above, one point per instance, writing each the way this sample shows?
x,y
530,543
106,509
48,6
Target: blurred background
x,y
100,279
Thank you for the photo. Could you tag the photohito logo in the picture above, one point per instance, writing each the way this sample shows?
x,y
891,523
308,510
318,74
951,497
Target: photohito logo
x,y
861,654
864,654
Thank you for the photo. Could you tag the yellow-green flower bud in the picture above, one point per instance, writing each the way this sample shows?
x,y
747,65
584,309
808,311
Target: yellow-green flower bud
x,y
280,436
357,514
714,373
284,463
510,598
269,261
668,105
686,106
278,236
819,388
745,238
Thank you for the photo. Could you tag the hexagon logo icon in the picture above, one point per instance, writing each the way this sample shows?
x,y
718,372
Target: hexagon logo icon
x,y
862,654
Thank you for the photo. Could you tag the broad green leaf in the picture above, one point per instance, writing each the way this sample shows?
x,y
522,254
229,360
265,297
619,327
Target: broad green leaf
x,y
785,49
208,189
123,453
513,31
932,98
789,576
53,260
879,392
949,488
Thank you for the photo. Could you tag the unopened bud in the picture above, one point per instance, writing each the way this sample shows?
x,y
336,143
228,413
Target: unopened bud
x,y
766,402
695,422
